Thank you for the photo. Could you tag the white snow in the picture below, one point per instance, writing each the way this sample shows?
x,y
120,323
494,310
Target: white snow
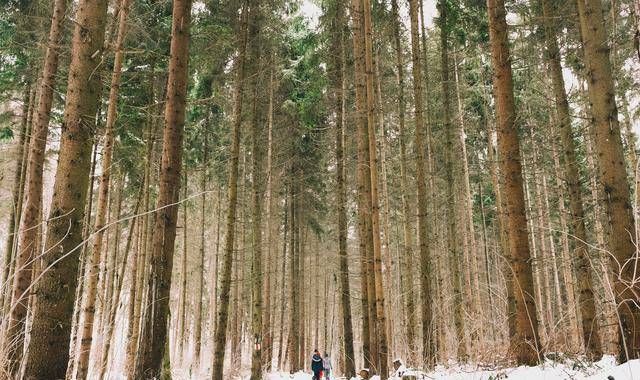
x,y
569,370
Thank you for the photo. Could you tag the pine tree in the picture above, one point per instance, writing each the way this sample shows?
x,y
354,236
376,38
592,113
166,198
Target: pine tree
x,y
165,219
523,326
337,70
428,338
590,331
612,173
232,201
95,257
53,307
29,218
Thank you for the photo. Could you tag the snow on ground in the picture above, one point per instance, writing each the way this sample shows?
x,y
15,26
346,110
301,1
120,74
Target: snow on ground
x,y
605,369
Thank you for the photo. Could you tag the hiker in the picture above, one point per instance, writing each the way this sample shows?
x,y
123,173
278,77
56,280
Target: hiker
x,y
399,368
316,365
326,361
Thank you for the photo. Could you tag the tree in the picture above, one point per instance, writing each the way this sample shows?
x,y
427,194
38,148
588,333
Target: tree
x,y
255,58
220,339
456,260
165,219
612,174
407,257
337,71
381,324
53,306
523,325
590,330
28,246
93,260
428,341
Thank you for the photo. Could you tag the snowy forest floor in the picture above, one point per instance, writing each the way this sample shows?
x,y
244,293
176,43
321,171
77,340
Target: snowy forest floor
x,y
605,369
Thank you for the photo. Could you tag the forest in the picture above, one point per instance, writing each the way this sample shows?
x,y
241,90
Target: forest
x,y
280,189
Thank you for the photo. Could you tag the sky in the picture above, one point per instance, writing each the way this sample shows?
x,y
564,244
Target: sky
x,y
312,11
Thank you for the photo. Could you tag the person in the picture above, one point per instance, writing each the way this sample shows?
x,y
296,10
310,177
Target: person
x,y
316,365
326,361
399,368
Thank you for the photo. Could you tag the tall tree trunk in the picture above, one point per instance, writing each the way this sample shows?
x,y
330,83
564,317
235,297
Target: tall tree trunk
x,y
607,315
574,337
93,260
523,324
381,322
387,256
232,204
213,304
48,352
364,188
111,308
428,338
137,294
21,158
536,263
199,287
338,68
15,263
590,331
109,274
285,227
300,272
487,264
407,257
612,174
77,306
165,219
541,254
293,347
267,323
257,193
456,257
31,215
466,210
182,316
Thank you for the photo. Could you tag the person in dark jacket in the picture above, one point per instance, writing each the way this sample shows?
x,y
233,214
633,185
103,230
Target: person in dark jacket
x,y
316,365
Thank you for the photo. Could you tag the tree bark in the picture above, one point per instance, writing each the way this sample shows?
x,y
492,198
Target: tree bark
x,y
590,331
456,258
466,209
30,217
182,316
110,309
381,322
267,326
337,71
428,338
293,344
200,269
523,324
282,345
232,204
407,257
257,193
48,352
165,219
612,174
364,188
93,260
16,263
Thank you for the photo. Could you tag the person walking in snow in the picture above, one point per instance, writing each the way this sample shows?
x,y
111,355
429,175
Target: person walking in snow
x,y
399,368
316,365
326,361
